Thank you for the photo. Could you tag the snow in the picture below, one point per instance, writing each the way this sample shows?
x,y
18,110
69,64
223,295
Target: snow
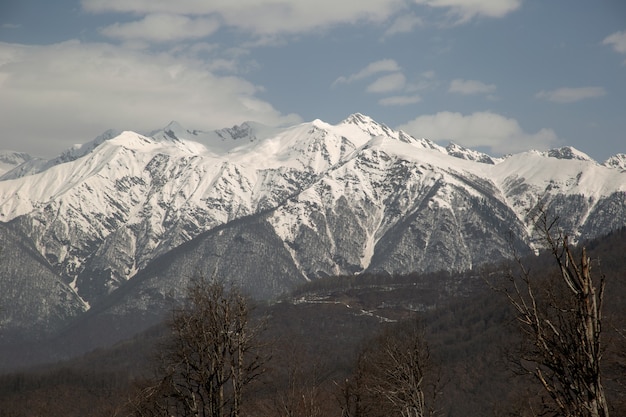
x,y
567,152
617,161
316,146
571,176
175,176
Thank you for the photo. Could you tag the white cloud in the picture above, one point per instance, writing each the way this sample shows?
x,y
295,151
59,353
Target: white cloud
x,y
393,81
468,87
571,95
162,27
617,40
264,17
404,24
481,129
54,96
465,10
387,83
399,100
261,17
376,67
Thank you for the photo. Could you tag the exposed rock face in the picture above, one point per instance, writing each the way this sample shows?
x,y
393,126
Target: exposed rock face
x,y
32,295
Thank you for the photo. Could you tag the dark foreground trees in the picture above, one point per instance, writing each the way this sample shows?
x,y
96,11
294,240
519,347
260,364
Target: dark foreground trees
x,y
561,319
211,357
394,376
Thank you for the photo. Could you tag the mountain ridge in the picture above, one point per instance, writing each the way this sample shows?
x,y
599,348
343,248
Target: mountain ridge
x,y
348,198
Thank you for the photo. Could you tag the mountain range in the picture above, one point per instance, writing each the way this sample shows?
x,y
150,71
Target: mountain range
x,y
113,230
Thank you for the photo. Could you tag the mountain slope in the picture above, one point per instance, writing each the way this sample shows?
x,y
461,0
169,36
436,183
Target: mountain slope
x,y
270,207
32,296
10,160
131,197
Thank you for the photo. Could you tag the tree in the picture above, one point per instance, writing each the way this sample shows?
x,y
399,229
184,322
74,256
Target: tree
x,y
352,396
395,376
211,357
561,320
302,395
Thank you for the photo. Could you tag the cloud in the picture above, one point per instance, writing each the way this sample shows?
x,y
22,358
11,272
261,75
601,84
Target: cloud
x,y
387,83
468,87
162,28
268,18
481,129
466,10
571,95
393,82
376,67
261,17
617,40
399,100
56,95
404,24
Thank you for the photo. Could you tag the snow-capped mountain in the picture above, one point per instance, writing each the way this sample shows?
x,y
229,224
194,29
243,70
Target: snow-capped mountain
x,y
9,160
271,207
460,152
617,161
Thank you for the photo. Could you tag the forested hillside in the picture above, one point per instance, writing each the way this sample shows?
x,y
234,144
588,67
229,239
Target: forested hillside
x,y
316,337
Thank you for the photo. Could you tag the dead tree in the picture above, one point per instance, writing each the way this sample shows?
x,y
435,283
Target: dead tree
x,y
561,319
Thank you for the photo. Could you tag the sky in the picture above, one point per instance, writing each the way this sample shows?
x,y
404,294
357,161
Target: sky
x,y
500,76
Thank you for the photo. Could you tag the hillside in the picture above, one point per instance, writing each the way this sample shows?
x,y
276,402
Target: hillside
x,y
326,322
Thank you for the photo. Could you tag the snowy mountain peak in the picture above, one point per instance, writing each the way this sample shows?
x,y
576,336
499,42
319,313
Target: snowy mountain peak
x,y
422,142
175,126
616,161
358,119
132,140
175,130
36,165
14,158
80,150
9,160
567,152
244,131
369,125
471,155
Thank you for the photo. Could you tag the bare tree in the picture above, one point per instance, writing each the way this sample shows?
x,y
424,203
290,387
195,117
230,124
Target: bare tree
x,y
212,355
351,393
395,376
295,385
561,320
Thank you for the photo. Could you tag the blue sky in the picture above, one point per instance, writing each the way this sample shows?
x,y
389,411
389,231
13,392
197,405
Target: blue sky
x,y
500,76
